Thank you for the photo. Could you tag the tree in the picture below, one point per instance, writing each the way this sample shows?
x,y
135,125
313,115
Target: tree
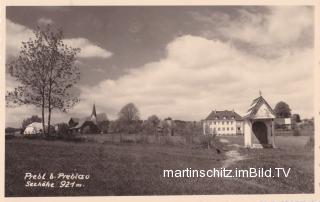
x,y
45,70
151,124
129,113
103,126
129,118
282,110
30,120
296,118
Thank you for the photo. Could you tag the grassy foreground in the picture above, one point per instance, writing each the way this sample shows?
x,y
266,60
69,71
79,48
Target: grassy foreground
x,y
136,169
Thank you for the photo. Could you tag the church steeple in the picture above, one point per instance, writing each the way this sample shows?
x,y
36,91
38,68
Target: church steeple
x,y
94,113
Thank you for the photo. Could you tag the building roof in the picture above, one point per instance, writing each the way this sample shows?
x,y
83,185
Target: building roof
x,y
221,114
99,118
76,120
81,122
255,106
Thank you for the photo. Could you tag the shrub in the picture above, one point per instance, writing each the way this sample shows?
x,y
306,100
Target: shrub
x,y
30,120
63,130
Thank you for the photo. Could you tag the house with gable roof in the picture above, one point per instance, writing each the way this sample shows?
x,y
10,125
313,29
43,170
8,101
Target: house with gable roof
x,y
259,124
223,123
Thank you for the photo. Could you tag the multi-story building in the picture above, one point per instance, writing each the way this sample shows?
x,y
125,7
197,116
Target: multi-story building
x,y
223,123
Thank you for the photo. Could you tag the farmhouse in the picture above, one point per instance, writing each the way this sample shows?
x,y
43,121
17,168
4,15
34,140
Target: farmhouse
x,y
283,123
87,124
259,125
223,123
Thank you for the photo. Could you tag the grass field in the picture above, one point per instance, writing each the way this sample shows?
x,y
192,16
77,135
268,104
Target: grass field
x,y
136,169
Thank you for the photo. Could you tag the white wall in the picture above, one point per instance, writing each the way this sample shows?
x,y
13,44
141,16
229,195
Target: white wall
x,y
224,127
247,133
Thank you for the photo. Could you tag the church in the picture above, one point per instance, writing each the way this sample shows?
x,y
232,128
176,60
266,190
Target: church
x,y
87,125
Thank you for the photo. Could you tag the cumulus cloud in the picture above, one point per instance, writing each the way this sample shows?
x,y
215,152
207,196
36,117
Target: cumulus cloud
x,y
282,26
199,75
17,33
264,31
88,49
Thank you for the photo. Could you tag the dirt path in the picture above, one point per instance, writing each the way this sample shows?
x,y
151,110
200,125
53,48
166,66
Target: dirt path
x,y
232,155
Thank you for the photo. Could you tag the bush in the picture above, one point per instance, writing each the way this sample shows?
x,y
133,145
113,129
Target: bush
x,y
30,120
63,130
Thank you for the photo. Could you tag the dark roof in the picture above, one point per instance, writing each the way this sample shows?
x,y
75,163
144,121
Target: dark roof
x,y
80,123
76,120
221,114
255,105
100,117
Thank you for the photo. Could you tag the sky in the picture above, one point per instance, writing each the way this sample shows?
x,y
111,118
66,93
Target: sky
x,y
176,61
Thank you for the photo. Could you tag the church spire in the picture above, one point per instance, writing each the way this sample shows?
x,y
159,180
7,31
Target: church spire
x,y
94,113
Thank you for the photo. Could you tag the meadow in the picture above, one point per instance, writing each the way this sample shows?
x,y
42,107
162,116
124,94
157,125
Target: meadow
x,y
131,168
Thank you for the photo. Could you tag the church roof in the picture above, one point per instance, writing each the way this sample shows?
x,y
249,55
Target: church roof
x,y
80,123
223,114
255,106
99,118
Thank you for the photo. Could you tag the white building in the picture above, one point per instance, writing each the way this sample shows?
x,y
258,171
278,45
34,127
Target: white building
x,y
223,123
259,125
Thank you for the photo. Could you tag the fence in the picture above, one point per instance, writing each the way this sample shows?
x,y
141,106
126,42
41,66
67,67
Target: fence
x,y
202,141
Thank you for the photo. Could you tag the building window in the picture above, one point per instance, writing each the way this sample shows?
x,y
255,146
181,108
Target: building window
x,y
218,129
231,128
238,128
227,128
223,128
222,122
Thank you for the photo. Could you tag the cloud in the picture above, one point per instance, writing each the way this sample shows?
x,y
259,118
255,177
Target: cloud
x,y
45,21
16,33
282,26
199,75
88,49
266,31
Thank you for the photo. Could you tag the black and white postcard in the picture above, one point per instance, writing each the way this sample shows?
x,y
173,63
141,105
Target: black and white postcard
x,y
124,99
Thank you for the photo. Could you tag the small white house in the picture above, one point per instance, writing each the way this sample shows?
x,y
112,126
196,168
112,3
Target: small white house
x,y
33,128
259,125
